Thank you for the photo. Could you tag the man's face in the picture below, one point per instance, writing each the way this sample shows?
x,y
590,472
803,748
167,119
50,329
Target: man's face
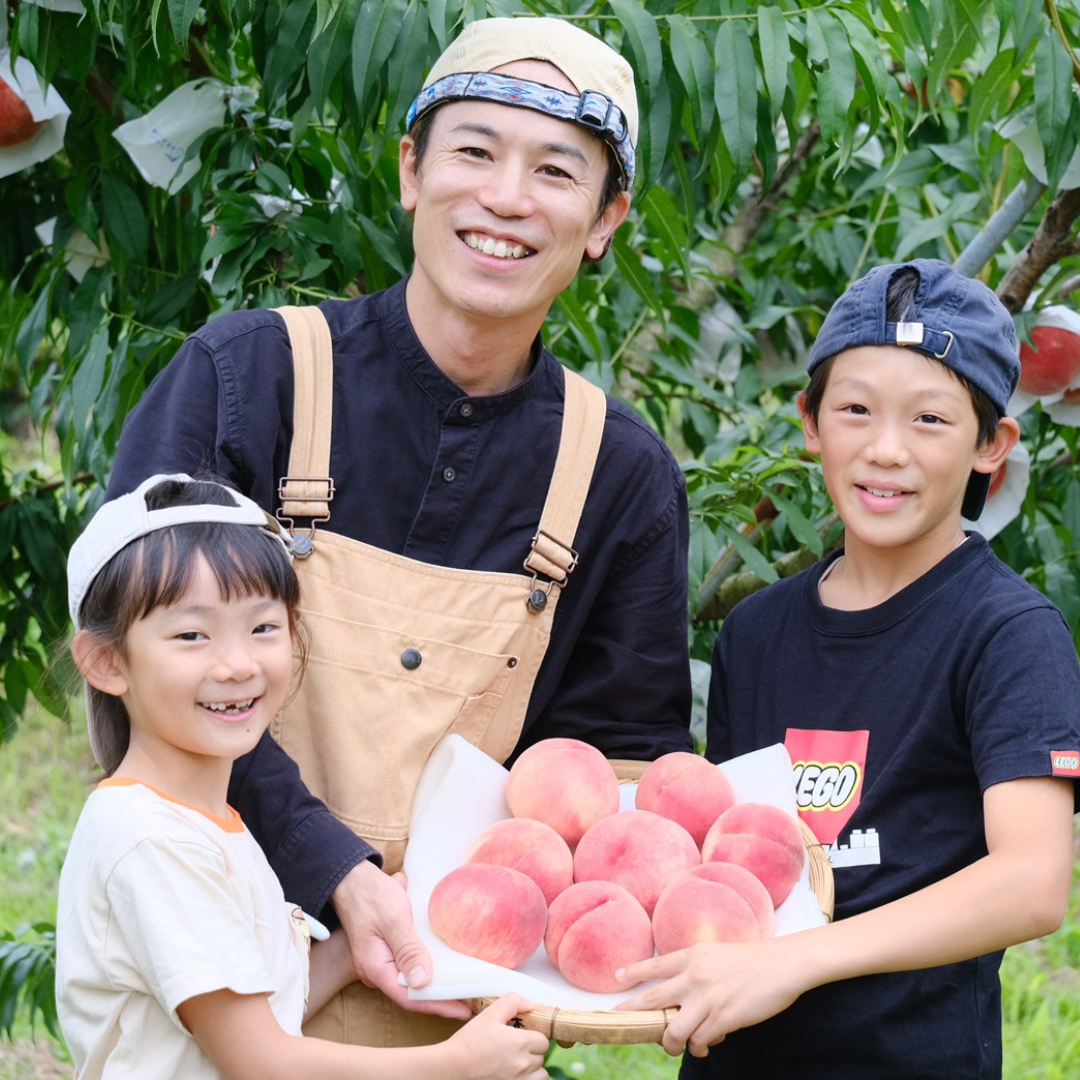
x,y
505,206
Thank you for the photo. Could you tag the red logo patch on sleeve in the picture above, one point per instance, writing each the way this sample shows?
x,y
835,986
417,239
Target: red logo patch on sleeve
x,y
1065,762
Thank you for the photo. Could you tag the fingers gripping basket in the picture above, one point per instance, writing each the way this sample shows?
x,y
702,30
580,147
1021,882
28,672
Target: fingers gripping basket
x,y
622,1028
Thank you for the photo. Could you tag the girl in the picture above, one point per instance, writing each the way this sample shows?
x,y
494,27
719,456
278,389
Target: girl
x,y
177,954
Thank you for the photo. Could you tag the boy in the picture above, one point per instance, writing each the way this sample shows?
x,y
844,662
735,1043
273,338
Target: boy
x,y
930,700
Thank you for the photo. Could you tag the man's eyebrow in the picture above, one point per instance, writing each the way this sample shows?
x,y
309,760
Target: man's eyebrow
x,y
566,149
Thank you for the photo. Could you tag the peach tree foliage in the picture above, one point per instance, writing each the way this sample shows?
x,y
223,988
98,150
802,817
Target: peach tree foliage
x,y
785,148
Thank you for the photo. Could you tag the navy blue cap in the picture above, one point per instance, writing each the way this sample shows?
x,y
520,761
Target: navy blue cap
x,y
957,320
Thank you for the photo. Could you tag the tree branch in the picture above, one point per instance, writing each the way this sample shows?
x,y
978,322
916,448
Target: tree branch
x,y
1051,243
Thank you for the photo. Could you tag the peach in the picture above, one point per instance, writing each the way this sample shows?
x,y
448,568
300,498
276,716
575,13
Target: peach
x,y
564,783
530,846
594,928
637,849
1051,362
491,912
713,902
762,838
685,788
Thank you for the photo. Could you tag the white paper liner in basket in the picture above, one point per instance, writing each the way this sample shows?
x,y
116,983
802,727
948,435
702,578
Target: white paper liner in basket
x,y
461,793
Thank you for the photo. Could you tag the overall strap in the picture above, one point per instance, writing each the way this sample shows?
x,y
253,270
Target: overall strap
x,y
552,553
308,489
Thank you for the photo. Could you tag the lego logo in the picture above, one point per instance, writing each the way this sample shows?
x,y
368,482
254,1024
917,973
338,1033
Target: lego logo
x,y
825,787
1066,761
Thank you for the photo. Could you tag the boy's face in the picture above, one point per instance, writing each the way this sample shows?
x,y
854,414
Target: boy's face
x,y
897,436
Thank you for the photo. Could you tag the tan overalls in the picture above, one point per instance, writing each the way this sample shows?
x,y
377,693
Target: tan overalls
x,y
404,652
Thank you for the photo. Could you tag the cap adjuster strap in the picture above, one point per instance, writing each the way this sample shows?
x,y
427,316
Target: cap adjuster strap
x,y
935,343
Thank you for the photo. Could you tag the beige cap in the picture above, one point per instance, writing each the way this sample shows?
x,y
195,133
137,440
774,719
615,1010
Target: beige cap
x,y
585,60
600,75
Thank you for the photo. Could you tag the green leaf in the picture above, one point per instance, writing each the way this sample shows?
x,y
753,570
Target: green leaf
x,y
691,58
577,316
374,35
630,267
775,55
1054,103
288,53
181,16
956,40
931,228
330,50
801,526
750,555
409,54
991,91
646,52
736,94
667,223
125,218
829,49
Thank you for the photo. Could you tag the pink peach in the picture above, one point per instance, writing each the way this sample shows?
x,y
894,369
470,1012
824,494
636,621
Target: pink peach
x,y
565,783
594,928
637,849
530,846
763,839
685,788
712,902
490,912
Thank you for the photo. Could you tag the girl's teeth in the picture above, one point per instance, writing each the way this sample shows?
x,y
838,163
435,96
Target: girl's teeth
x,y
236,706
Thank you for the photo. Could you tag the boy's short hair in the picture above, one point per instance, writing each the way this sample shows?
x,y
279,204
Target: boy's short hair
x,y
956,320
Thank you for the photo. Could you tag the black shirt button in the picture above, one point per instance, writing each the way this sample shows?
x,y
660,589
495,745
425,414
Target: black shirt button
x,y
449,473
410,659
466,409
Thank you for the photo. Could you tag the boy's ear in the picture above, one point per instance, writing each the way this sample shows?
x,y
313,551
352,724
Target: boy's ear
x,y
989,456
810,433
97,663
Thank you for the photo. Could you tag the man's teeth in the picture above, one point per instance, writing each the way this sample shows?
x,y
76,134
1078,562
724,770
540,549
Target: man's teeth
x,y
228,707
499,248
883,494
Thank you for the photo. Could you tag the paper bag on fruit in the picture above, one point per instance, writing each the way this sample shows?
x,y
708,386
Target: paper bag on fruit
x,y
547,878
32,120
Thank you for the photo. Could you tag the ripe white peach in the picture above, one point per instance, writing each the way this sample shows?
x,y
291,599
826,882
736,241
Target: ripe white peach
x,y
763,839
490,912
565,783
687,789
530,846
637,849
594,929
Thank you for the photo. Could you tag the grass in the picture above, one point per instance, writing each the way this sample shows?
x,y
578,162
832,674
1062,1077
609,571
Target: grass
x,y
46,772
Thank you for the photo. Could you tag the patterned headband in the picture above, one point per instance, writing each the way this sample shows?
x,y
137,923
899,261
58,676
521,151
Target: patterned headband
x,y
590,109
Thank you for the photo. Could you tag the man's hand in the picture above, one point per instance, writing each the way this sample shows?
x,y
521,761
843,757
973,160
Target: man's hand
x,y
375,913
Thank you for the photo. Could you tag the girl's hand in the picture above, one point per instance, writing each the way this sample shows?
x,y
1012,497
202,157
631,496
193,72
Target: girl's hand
x,y
490,1048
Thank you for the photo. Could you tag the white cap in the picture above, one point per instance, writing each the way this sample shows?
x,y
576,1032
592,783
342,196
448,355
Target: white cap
x,y
127,518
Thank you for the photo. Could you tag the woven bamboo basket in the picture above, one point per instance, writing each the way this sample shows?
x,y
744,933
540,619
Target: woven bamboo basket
x,y
567,1026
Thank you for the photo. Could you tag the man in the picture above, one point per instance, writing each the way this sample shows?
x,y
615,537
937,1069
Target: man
x,y
438,452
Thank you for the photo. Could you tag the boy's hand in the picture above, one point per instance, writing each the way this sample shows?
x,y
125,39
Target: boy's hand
x,y
375,912
717,989
489,1048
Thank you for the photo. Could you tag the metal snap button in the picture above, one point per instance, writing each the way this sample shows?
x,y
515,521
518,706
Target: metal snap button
x,y
537,600
449,473
410,659
466,409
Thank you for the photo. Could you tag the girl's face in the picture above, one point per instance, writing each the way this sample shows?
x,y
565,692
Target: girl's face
x,y
203,678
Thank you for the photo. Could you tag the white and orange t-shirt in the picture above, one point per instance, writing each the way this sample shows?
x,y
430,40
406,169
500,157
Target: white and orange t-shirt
x,y
160,902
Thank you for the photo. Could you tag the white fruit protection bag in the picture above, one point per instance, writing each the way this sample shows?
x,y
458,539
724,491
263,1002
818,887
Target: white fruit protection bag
x,y
461,793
